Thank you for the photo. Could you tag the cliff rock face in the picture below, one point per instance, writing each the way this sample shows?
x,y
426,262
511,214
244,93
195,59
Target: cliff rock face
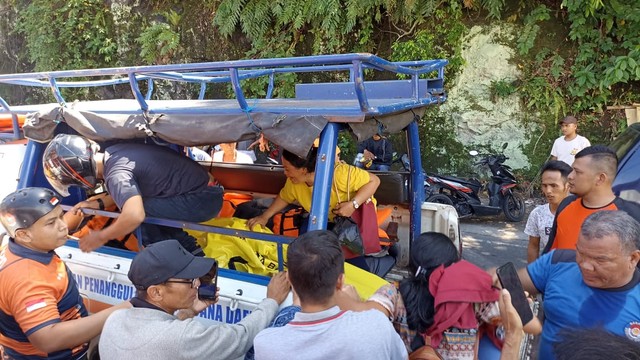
x,y
480,120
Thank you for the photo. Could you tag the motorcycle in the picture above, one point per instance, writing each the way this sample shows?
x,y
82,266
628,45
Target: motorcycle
x,y
463,194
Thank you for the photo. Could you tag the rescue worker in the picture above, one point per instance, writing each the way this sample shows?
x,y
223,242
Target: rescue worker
x,y
142,180
43,316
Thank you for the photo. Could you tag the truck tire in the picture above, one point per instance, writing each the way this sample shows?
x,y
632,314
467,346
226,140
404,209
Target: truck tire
x,y
514,207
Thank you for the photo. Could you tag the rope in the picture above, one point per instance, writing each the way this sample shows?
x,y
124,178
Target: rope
x,y
256,129
60,116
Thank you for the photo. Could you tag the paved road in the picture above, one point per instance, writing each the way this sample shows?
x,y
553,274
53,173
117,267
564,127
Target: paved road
x,y
492,241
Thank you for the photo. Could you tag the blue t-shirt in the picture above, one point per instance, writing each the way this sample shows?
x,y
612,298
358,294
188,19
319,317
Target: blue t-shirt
x,y
569,303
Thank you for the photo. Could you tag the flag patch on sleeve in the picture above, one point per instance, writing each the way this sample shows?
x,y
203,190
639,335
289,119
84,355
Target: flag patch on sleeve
x,y
34,305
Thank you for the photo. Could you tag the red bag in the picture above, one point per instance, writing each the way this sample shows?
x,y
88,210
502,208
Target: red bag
x,y
365,217
367,220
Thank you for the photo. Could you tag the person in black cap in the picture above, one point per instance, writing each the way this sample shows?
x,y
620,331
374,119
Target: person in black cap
x,y
43,315
161,326
570,143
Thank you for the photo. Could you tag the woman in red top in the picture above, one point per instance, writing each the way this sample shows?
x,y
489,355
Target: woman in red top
x,y
446,301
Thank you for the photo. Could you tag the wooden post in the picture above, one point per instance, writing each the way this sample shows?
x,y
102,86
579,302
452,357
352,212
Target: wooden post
x,y
632,112
632,115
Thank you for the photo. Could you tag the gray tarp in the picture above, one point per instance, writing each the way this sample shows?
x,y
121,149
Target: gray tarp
x,y
294,132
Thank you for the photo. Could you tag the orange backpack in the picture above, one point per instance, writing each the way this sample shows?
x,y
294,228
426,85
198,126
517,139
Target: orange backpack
x,y
97,222
230,203
288,223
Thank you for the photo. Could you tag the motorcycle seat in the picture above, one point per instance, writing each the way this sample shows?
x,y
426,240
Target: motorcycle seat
x,y
472,181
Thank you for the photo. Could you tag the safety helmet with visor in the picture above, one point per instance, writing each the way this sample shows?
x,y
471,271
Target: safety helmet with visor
x,y
69,160
22,208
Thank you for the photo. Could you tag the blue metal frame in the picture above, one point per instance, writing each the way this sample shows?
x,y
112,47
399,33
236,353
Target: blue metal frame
x,y
15,134
416,183
234,72
320,197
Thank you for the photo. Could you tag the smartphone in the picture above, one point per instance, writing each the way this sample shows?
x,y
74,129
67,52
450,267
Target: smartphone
x,y
509,279
209,284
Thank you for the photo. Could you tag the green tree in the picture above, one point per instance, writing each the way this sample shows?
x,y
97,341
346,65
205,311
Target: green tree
x,y
68,34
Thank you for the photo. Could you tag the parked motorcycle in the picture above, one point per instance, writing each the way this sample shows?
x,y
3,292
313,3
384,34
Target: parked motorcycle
x,y
463,194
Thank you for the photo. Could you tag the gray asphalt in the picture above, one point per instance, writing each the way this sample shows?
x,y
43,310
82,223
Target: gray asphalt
x,y
493,241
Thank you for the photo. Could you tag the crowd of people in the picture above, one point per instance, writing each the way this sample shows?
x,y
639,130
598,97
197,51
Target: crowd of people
x,y
583,255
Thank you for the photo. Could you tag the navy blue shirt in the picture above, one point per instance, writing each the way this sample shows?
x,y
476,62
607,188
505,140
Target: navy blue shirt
x,y
150,171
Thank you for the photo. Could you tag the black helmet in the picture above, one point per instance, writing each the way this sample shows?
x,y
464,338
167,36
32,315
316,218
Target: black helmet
x,y
68,160
24,207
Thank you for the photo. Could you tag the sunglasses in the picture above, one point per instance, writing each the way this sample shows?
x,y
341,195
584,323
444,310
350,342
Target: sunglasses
x,y
185,281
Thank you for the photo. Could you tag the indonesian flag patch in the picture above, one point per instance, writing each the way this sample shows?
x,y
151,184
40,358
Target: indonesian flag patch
x,y
34,305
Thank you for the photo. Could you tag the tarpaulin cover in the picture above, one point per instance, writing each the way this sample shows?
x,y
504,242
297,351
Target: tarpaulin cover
x,y
295,132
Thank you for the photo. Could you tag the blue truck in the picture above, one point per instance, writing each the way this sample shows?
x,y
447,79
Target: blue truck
x,y
349,100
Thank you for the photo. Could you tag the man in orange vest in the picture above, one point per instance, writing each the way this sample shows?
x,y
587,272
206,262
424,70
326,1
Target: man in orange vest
x,y
43,313
594,170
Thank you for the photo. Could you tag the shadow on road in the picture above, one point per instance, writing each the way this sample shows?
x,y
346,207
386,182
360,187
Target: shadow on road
x,y
493,241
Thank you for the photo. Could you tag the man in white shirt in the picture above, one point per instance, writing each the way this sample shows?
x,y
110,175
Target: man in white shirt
x,y
229,153
570,143
555,188
321,330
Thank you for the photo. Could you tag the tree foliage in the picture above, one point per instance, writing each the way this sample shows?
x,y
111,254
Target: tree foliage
x,y
160,41
319,27
592,66
575,56
607,36
68,34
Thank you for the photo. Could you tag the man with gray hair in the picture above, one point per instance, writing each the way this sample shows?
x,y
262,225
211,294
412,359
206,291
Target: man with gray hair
x,y
595,285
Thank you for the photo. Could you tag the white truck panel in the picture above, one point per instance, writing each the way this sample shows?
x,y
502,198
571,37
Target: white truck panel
x,y
103,278
11,156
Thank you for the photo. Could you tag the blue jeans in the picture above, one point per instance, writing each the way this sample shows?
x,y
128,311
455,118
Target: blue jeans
x,y
378,167
197,206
